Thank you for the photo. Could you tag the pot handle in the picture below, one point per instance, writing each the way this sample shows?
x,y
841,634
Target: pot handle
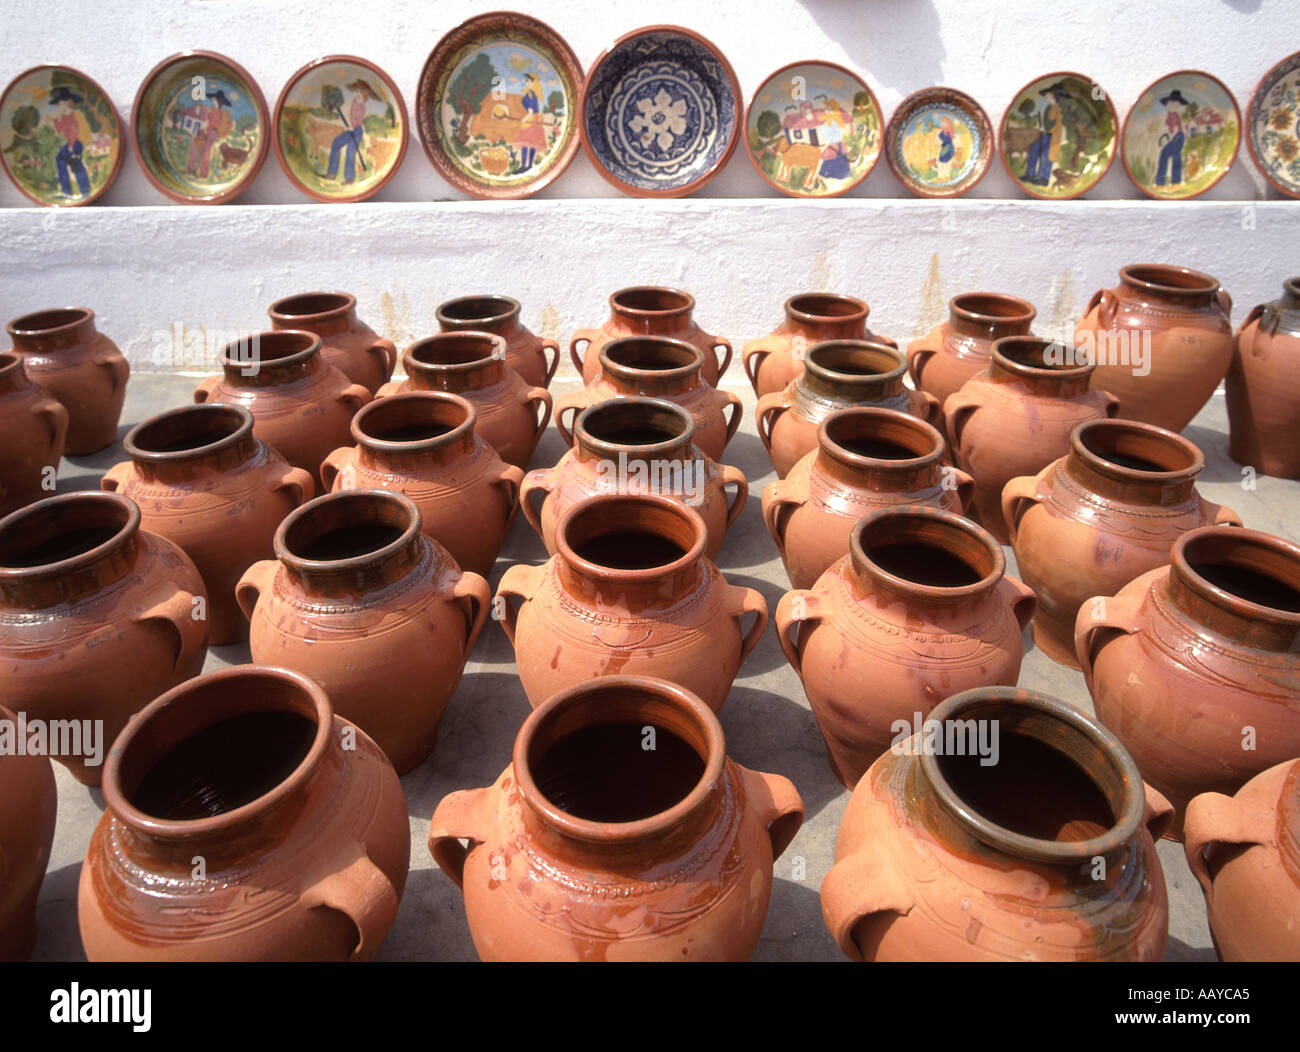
x,y
716,342
354,396
299,484
965,487
753,354
540,480
919,353
769,406
1107,305
550,345
1110,404
256,580
535,396
780,804
776,499
387,350
1021,599
116,364
1017,495
510,479
459,816
174,607
1225,301
749,601
1213,818
474,591
1267,320
334,466
1159,812
734,477
55,415
364,894
116,477
933,410
581,336
733,421
572,403
957,411
1223,515
857,886
205,388
1118,613
787,623
521,580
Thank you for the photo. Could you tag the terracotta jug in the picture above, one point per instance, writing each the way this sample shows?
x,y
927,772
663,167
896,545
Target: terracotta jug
x,y
1264,387
629,591
26,836
526,353
1044,855
97,617
64,353
591,847
1090,522
33,431
919,609
304,842
1162,342
347,343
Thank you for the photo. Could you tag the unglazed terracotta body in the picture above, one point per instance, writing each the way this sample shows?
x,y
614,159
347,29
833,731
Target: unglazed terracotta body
x,y
33,431
1264,388
526,353
347,343
26,835
688,881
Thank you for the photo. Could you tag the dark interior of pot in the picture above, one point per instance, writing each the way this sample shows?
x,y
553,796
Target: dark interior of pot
x,y
926,551
992,305
409,418
192,427
454,348
652,299
43,535
48,320
309,303
651,354
269,346
821,305
1170,277
626,422
629,534
855,359
353,526
476,308
1138,449
880,436
1039,354
1245,568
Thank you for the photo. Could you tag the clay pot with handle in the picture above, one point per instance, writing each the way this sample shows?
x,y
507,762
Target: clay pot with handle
x,y
1263,387
30,798
33,432
347,343
526,353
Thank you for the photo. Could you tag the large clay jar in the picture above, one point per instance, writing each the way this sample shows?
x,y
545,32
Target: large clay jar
x,y
205,483
1196,666
629,591
304,842
635,445
657,367
526,353
80,366
649,310
1161,340
301,404
26,836
592,846
347,343
837,374
1090,522
1245,851
1045,854
33,431
97,616
358,587
919,609
866,459
1264,387
1015,417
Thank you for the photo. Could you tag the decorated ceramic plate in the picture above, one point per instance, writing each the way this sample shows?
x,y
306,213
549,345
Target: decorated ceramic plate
x,y
661,112
1273,125
813,130
60,139
1059,136
497,104
200,127
939,142
1181,136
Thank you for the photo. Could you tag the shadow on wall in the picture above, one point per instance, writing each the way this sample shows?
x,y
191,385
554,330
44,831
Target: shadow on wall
x,y
902,50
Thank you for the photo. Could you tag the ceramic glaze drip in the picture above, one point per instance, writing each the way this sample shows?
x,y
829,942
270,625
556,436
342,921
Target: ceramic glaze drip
x,y
924,564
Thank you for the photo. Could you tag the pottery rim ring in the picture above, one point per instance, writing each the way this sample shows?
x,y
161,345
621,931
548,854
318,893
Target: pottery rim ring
x,y
690,555
1131,274
497,351
407,508
457,433
72,563
80,315
340,304
828,373
509,308
647,450
905,421
1104,466
796,308
1189,576
1026,370
215,410
642,372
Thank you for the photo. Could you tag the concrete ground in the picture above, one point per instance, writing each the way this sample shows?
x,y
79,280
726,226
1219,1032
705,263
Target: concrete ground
x,y
767,721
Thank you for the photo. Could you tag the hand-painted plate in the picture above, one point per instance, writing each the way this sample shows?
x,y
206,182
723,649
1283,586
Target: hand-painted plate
x,y
661,112
1273,125
201,127
814,130
1059,136
939,142
60,139
1181,136
497,104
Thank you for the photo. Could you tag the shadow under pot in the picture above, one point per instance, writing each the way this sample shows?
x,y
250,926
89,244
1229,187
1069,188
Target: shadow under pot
x,y
203,481
526,353
1092,521
33,432
97,618
1263,395
1196,666
347,343
423,444
919,609
304,842
866,459
941,856
30,798
629,591
80,366
567,850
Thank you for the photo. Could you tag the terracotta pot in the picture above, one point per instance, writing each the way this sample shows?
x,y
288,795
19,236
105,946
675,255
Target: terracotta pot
x,y
635,445
1015,417
657,367
1196,666
33,430
1263,391
1045,855
347,343
423,444
526,353
304,843
80,366
629,591
1090,522
97,616
26,836
592,847
919,609
838,374
1162,342
205,483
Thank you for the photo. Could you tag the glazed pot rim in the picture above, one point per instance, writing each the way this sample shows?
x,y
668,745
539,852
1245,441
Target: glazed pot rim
x,y
21,326
612,449
1220,597
353,563
1122,473
284,336
214,409
565,552
1291,286
962,305
82,560
825,372
794,312
950,519
880,413
496,353
278,313
638,372
1133,276
686,306
511,309
10,360
1036,372
389,445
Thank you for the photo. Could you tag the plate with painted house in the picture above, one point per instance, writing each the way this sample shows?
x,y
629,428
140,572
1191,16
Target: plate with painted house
x,y
1181,136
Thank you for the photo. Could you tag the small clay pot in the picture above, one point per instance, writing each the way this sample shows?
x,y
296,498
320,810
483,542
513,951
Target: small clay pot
x,y
80,366
26,836
593,847
33,431
347,343
526,353
1263,387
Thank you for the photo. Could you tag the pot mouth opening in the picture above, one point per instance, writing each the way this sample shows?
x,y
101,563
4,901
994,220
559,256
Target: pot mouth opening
x,y
277,347
188,432
624,536
62,534
462,350
845,361
1253,571
990,307
9,361
652,354
411,420
646,425
938,552
50,322
825,306
312,305
1160,277
1030,355
346,530
484,309
651,299
1133,451
866,436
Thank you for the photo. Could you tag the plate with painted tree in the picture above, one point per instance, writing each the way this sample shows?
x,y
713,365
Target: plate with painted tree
x,y
1181,136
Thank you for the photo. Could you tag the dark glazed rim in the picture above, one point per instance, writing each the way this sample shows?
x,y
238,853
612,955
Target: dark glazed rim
x,y
799,308
1161,279
458,433
974,307
606,502
280,312
1236,536
998,352
930,96
611,450
1104,466
882,416
949,520
618,306
507,307
273,337
373,497
639,372
74,563
21,326
216,410
496,351
820,350
1252,108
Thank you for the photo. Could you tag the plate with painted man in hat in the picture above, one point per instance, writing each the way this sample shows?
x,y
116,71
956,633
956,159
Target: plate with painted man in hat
x,y
1181,136
1059,136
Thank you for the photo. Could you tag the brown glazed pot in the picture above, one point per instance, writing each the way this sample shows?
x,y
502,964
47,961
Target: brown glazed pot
x,y
526,353
650,310
1090,522
1185,314
304,843
635,445
357,588
941,859
473,365
1264,387
347,343
591,847
867,458
773,362
26,835
80,366
1015,417
423,444
629,592
33,431
919,609
301,404
837,374
1196,666
97,616
1245,852
205,483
